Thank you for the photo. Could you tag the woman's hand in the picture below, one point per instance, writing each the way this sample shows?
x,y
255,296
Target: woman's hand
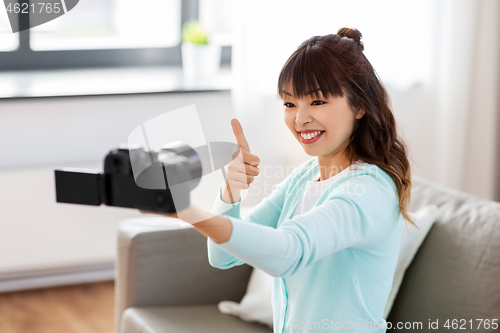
x,y
243,169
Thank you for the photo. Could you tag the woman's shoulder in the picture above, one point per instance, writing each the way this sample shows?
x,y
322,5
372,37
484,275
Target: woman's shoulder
x,y
364,171
372,179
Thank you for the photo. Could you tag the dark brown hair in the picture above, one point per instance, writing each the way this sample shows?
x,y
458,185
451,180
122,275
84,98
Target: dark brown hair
x,y
336,65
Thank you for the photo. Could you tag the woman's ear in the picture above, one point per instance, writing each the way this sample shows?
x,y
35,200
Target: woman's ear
x,y
360,114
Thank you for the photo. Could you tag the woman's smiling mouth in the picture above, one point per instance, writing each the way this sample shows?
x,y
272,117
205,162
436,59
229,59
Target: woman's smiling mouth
x,y
310,137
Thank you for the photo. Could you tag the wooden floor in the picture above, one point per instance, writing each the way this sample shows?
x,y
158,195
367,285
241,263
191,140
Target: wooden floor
x,y
84,308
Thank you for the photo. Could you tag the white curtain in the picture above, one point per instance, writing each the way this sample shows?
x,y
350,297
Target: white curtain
x,y
465,86
437,58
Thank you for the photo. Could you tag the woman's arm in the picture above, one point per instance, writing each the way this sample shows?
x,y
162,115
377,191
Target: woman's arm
x,y
267,213
345,219
217,228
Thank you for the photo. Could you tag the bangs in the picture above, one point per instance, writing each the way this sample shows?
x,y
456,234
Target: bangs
x,y
307,71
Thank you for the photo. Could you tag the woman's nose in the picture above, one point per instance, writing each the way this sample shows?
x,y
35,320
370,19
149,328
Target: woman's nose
x,y
302,116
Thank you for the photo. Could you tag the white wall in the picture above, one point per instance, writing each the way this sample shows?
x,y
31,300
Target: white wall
x,y
38,235
42,131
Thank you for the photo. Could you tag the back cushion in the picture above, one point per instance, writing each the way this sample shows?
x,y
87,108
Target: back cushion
x,y
456,272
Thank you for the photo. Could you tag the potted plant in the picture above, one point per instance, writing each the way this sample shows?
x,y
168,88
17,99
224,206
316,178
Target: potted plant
x,y
200,58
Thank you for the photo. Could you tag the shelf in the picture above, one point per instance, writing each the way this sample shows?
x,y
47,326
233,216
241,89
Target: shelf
x,y
106,81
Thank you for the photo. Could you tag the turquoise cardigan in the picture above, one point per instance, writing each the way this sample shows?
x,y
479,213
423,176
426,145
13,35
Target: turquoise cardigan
x,y
333,266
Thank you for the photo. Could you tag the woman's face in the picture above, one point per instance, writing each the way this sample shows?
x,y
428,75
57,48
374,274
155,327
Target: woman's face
x,y
331,117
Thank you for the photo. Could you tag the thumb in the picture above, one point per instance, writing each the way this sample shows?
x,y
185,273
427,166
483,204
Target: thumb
x,y
238,133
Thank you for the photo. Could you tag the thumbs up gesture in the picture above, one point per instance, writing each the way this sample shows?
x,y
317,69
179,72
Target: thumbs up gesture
x,y
243,169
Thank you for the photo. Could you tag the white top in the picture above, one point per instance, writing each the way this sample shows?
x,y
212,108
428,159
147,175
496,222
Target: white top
x,y
314,189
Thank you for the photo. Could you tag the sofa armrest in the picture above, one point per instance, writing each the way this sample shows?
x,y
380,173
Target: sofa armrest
x,y
164,261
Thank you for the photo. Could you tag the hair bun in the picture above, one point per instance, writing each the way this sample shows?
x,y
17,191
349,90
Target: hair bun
x,y
353,34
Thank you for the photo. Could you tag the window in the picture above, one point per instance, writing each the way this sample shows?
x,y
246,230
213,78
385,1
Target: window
x,y
216,16
8,40
110,33
111,24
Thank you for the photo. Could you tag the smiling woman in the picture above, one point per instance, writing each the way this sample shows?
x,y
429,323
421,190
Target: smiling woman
x,y
323,125
332,254
329,84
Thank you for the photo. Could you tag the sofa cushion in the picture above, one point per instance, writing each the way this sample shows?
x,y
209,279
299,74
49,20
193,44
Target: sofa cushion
x,y
411,240
455,273
256,305
185,319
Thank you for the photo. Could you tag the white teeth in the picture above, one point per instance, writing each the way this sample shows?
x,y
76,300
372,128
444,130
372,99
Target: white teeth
x,y
311,135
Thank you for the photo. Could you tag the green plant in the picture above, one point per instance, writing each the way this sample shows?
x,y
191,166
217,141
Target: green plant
x,y
192,32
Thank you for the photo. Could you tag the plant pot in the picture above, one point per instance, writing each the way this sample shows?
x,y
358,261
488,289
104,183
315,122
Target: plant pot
x,y
200,61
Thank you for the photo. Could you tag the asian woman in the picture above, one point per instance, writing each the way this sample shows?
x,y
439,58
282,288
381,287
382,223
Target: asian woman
x,y
330,232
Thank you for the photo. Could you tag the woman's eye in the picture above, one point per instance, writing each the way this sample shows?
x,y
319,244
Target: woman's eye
x,y
290,105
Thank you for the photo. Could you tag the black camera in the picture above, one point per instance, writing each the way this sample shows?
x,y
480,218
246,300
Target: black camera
x,y
134,177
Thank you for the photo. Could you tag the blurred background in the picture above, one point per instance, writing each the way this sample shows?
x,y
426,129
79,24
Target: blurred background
x,y
74,88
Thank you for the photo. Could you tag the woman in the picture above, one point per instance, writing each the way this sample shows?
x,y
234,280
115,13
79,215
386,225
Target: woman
x,y
330,232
